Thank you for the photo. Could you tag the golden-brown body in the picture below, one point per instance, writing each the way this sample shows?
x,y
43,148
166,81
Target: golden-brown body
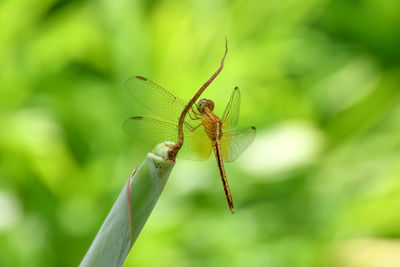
x,y
212,125
213,128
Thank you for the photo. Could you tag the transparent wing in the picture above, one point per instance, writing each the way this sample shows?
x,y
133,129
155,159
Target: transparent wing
x,y
156,99
196,145
234,143
231,113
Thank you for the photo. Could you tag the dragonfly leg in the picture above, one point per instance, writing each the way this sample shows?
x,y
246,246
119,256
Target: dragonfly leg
x,y
197,116
196,127
195,112
191,128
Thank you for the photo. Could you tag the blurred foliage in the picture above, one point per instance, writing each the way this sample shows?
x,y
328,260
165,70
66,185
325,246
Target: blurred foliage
x,y
320,186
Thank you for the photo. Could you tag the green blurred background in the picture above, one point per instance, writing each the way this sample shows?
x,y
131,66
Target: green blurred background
x,y
320,186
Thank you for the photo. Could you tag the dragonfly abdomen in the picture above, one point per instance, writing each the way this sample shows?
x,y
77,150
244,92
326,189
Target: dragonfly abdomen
x,y
218,156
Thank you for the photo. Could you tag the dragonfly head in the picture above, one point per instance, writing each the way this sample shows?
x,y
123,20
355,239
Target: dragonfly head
x,y
205,103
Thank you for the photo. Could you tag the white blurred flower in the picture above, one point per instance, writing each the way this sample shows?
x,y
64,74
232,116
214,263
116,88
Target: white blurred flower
x,y
10,210
289,145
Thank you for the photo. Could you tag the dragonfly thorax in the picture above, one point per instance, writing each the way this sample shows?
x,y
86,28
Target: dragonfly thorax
x,y
205,103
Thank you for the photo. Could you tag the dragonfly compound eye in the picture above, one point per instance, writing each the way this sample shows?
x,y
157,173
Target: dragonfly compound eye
x,y
210,105
201,105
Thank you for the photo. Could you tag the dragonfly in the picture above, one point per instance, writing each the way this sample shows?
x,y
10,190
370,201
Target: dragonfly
x,y
203,130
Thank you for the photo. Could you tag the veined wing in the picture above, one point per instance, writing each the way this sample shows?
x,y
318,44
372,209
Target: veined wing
x,y
156,99
231,113
196,145
234,143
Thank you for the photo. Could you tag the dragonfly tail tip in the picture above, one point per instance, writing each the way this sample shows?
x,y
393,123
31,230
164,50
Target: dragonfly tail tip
x,y
232,209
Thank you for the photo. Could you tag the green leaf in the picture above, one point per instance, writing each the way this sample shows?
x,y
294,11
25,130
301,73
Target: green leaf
x,y
130,211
